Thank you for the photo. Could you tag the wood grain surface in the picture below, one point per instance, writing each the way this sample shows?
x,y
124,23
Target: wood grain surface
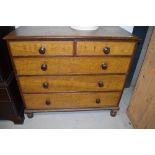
x,y
73,65
141,109
96,48
31,48
70,100
72,83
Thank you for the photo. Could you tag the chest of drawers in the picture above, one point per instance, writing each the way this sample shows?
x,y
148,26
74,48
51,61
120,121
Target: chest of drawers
x,y
60,69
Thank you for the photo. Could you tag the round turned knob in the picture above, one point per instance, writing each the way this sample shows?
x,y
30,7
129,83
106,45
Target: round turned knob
x,y
42,50
45,85
106,50
104,66
98,101
100,83
47,102
44,67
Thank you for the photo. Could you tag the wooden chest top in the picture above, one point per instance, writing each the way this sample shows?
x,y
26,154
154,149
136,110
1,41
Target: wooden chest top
x,y
65,32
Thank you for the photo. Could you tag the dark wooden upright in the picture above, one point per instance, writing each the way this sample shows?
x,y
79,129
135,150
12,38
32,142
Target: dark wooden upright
x,y
11,107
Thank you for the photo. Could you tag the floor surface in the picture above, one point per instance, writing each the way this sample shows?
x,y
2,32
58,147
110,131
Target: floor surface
x,y
78,120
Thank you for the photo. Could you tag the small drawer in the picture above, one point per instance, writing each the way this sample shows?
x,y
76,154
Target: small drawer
x,y
41,48
71,100
105,48
72,83
71,65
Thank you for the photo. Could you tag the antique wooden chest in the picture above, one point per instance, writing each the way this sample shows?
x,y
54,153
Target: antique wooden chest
x,y
61,69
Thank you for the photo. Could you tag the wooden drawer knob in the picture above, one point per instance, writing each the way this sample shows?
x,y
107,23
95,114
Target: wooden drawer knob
x,y
106,50
100,83
48,102
42,50
104,66
45,85
44,67
98,101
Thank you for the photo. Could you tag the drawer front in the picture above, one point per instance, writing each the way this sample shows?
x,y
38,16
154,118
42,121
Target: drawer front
x,y
71,83
71,100
76,65
30,48
105,48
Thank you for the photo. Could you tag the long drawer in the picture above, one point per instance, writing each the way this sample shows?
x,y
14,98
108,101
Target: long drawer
x,y
71,83
36,48
71,65
70,100
105,48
